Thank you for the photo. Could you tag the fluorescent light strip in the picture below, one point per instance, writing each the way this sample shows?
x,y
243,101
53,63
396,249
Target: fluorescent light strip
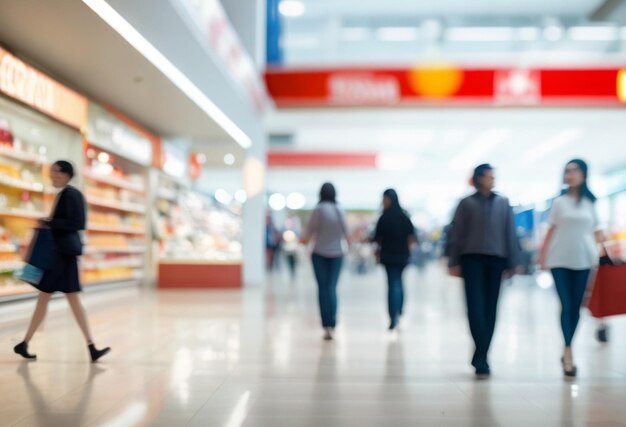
x,y
397,34
551,145
180,80
480,34
479,149
593,33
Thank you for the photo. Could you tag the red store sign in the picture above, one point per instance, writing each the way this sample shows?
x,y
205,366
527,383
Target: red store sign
x,y
447,85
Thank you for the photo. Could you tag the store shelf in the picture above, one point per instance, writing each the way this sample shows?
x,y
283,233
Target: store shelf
x,y
6,266
116,205
169,195
103,265
118,229
9,181
20,155
8,248
119,250
20,213
133,277
115,182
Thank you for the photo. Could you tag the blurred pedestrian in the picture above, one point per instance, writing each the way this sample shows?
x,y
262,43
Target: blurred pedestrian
x,y
394,235
67,219
329,229
570,250
483,248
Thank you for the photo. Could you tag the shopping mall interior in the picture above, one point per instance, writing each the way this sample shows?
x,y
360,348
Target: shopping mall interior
x,y
200,134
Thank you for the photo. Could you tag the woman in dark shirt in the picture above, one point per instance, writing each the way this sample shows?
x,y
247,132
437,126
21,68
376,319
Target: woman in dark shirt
x,y
395,235
68,218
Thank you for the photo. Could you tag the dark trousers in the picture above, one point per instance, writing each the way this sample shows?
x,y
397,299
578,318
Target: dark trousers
x,y
483,277
327,274
395,290
570,286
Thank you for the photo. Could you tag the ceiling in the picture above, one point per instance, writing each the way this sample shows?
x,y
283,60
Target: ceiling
x,y
71,43
428,154
335,32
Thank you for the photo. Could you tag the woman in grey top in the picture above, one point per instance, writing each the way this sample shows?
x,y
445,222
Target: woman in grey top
x,y
328,226
570,250
483,248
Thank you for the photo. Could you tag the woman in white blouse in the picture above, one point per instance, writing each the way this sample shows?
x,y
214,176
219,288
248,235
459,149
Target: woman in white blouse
x,y
570,250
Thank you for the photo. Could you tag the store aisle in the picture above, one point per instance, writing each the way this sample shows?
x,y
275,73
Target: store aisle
x,y
256,358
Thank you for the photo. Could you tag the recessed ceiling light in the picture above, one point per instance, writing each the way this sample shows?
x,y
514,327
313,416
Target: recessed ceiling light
x,y
292,8
229,159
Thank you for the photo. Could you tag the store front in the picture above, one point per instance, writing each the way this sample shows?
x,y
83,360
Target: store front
x,y
40,122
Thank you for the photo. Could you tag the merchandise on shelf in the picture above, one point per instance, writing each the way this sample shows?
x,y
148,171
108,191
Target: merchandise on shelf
x,y
116,230
25,196
192,227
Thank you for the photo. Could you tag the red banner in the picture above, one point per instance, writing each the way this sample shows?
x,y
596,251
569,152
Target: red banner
x,y
321,159
447,86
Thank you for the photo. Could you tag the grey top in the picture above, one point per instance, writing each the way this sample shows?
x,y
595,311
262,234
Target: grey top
x,y
328,225
484,226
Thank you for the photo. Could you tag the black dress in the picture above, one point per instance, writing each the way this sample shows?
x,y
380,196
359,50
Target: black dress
x,y
68,218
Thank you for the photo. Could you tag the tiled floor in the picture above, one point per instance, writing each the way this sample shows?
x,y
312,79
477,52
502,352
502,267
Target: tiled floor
x,y
256,358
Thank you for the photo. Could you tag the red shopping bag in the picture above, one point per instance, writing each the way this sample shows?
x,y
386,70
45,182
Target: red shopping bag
x,y
608,296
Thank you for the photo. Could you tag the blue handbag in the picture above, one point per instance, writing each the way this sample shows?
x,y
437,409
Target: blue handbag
x,y
40,257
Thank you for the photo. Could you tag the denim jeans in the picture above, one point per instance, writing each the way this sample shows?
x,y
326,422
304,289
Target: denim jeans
x,y
327,274
482,275
570,286
395,291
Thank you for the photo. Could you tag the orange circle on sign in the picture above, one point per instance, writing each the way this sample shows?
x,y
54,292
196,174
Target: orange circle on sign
x,y
436,81
621,85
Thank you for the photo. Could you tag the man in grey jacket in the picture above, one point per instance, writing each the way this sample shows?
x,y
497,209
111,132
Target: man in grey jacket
x,y
483,249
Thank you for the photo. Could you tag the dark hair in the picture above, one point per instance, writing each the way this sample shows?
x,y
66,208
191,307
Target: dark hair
x,y
392,195
585,192
65,167
328,193
479,171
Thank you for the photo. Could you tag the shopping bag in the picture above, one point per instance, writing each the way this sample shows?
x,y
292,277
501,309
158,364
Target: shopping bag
x,y
608,296
39,257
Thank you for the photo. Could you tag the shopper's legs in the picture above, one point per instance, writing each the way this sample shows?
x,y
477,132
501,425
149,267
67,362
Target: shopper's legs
x,y
473,271
38,315
577,294
79,313
563,284
493,283
321,269
394,292
333,279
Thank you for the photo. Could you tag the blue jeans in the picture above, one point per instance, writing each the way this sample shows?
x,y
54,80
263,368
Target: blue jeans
x,y
482,275
570,286
395,294
327,274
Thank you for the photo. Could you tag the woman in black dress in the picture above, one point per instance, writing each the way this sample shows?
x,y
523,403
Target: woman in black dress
x,y
68,218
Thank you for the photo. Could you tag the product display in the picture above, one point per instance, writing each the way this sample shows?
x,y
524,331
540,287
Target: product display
x,y
115,189
25,196
193,227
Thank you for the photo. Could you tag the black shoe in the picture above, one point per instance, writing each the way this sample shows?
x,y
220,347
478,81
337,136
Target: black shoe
x,y
22,350
570,373
394,324
602,334
483,375
97,354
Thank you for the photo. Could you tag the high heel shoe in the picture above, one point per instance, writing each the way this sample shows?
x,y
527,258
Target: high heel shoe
x,y
22,350
97,354
570,373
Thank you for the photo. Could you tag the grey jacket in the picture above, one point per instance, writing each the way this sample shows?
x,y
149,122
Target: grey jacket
x,y
484,226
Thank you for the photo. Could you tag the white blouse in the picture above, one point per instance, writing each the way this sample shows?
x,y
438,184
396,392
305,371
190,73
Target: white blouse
x,y
573,244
